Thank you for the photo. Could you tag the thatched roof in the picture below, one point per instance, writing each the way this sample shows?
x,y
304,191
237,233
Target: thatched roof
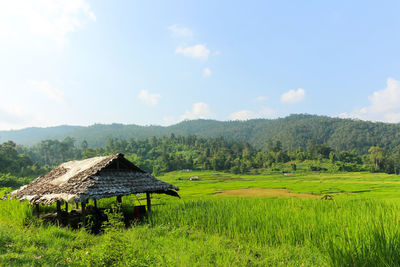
x,y
92,178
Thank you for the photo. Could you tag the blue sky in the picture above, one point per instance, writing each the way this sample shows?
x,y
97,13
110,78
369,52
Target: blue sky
x,y
81,62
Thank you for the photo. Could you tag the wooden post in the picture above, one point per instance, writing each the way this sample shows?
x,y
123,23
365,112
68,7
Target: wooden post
x,y
66,207
77,205
37,211
119,199
95,203
58,208
148,202
83,204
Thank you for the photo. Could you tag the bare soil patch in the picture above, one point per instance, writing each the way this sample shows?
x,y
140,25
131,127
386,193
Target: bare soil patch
x,y
224,178
265,192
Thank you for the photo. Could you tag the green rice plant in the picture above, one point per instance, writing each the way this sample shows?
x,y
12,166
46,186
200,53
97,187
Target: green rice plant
x,y
15,213
348,231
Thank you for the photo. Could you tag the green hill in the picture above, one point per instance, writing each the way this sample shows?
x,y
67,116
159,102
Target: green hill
x,y
293,131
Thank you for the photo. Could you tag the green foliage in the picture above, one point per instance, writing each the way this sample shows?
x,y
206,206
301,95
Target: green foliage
x,y
14,213
115,219
8,180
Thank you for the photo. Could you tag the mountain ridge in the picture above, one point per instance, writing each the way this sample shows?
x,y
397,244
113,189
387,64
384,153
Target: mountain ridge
x,y
293,131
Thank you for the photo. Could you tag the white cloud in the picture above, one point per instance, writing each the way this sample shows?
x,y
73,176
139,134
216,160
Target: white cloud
x,y
207,72
293,96
169,120
243,115
384,105
52,19
199,110
148,98
199,51
180,31
15,117
48,90
12,113
260,98
35,103
386,100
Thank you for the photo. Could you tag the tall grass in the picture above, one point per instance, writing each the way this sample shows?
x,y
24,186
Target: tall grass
x,y
15,213
350,232
344,232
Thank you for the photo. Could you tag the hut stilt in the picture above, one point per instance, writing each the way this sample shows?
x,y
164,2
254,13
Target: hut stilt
x,y
148,202
58,207
83,204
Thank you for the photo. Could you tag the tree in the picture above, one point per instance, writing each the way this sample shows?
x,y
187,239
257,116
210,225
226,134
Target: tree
x,y
377,156
332,157
84,145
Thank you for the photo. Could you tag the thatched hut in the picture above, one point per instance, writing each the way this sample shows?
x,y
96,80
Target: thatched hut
x,y
93,178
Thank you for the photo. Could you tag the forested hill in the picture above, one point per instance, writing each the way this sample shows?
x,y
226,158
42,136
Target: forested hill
x,y
293,131
32,135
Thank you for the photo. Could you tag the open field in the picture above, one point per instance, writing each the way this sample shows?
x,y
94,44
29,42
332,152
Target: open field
x,y
357,225
353,185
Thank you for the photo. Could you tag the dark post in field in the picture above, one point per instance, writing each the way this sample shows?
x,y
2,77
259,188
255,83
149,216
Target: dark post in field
x,y
148,202
37,210
58,207
83,204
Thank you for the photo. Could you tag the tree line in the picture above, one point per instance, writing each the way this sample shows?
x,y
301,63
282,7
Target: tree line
x,y
293,131
168,153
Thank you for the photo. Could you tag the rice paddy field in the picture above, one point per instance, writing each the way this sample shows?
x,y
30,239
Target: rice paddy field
x,y
264,219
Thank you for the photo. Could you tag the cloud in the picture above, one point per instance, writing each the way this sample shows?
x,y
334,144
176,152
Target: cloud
x,y
243,115
207,72
199,110
260,98
386,100
45,18
148,98
12,114
199,51
384,105
293,96
169,120
15,117
180,31
48,90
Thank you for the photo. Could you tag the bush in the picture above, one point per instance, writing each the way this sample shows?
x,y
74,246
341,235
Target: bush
x,y
317,168
235,170
7,180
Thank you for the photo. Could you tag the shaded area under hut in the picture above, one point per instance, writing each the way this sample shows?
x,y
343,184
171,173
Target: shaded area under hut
x,y
92,179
